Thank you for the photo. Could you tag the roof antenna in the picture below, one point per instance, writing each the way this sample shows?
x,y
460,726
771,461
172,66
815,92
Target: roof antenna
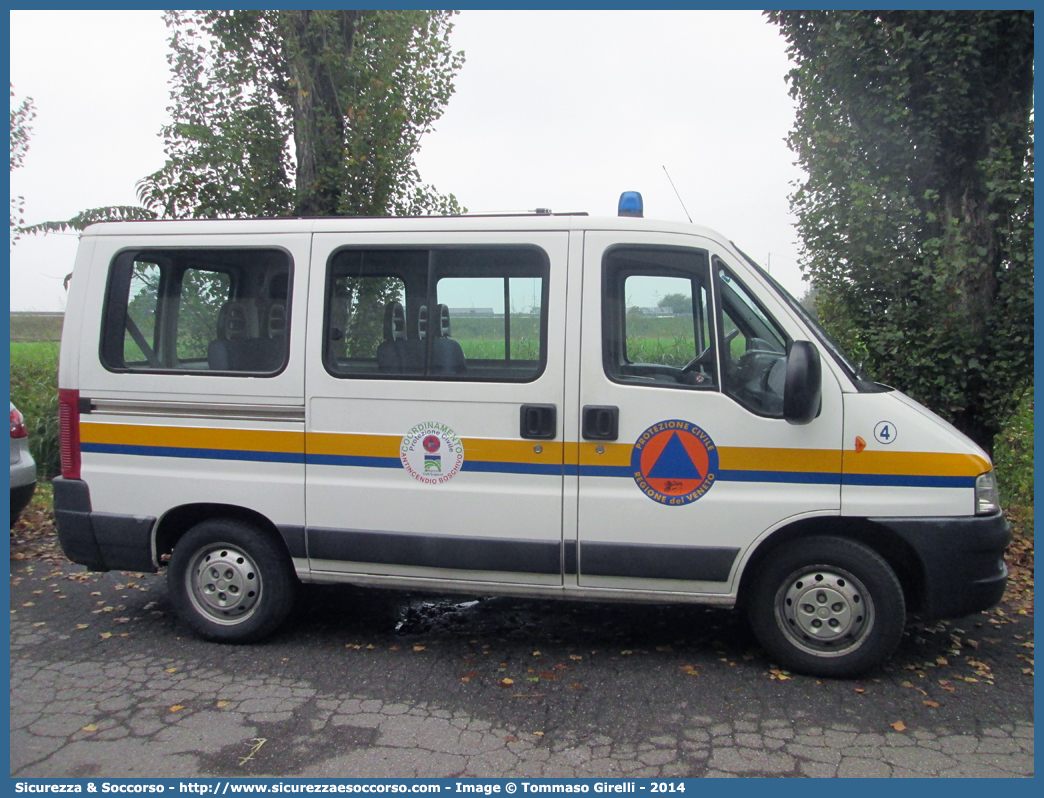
x,y
677,194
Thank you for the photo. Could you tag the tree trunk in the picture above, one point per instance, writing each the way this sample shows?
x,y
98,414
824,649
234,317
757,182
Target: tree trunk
x,y
316,46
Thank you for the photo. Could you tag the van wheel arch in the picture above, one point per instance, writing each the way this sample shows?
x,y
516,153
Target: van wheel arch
x,y
899,555
178,521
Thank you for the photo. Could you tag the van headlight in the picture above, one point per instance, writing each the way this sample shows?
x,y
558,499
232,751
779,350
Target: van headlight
x,y
987,498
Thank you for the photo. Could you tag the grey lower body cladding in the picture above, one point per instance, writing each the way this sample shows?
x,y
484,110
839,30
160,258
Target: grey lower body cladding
x,y
696,563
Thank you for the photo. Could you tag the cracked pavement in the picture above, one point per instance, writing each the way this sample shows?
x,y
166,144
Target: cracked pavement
x,y
363,683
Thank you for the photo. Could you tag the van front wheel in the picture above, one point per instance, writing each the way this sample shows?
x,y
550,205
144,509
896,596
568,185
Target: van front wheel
x,y
230,582
827,606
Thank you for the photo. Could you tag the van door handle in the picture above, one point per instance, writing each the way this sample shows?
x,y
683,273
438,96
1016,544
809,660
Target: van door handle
x,y
600,423
538,422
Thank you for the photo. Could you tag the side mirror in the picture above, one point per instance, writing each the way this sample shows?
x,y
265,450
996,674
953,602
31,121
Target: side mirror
x,y
803,388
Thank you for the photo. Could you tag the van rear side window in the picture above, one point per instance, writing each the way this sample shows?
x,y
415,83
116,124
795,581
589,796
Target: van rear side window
x,y
454,313
215,311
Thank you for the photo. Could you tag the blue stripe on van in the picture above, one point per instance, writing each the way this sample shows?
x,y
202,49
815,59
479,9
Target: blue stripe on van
x,y
604,471
908,481
791,477
359,461
193,454
491,466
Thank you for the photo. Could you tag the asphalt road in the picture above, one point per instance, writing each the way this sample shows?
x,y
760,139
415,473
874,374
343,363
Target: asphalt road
x,y
106,683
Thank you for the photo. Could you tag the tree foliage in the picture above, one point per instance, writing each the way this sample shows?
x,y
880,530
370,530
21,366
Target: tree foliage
x,y
353,91
296,113
915,131
21,116
676,303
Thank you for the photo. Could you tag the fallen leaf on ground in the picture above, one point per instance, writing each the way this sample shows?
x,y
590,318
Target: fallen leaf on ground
x,y
105,635
177,708
575,656
170,670
223,704
418,648
511,739
899,726
90,727
506,682
548,675
930,703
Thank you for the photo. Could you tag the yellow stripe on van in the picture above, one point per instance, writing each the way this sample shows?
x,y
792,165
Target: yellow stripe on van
x,y
508,451
353,445
744,458
192,437
615,454
937,464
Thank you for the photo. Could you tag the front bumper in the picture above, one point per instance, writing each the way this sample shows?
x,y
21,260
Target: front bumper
x,y
962,560
101,541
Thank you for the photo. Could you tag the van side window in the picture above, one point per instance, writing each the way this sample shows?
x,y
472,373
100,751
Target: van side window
x,y
195,310
464,313
754,348
656,319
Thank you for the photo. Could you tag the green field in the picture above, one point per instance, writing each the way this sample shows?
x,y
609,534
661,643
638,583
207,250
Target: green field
x,y
34,390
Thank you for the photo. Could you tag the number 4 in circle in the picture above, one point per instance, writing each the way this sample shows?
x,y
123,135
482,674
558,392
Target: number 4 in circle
x,y
885,432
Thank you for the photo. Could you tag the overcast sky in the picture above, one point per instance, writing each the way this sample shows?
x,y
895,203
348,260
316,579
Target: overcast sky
x,y
562,110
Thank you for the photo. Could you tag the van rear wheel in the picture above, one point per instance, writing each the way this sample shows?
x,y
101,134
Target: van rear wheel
x,y
230,581
827,606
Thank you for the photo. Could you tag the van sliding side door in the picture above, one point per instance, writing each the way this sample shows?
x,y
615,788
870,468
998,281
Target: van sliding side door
x,y
435,407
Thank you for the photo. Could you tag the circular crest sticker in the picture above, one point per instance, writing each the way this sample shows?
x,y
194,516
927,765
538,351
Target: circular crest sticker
x,y
674,462
431,453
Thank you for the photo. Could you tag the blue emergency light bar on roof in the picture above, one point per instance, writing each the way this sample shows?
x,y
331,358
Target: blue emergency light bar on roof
x,y
631,205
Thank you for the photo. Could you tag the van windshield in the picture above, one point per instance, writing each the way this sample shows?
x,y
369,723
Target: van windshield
x,y
854,370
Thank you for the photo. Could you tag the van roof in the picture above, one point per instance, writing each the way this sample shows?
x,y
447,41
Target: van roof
x,y
386,224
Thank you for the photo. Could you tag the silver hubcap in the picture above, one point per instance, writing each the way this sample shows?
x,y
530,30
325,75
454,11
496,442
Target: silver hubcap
x,y
825,611
224,584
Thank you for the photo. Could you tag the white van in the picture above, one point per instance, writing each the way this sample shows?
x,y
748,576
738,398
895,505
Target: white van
x,y
541,405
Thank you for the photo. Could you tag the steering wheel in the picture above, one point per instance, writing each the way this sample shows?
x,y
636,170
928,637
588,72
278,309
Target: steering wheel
x,y
698,360
767,373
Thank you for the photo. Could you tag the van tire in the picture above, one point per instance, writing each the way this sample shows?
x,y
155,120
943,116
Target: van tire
x,y
230,581
855,608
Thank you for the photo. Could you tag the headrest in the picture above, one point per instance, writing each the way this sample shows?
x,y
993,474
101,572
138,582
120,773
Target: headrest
x,y
422,322
442,329
394,322
238,319
276,319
